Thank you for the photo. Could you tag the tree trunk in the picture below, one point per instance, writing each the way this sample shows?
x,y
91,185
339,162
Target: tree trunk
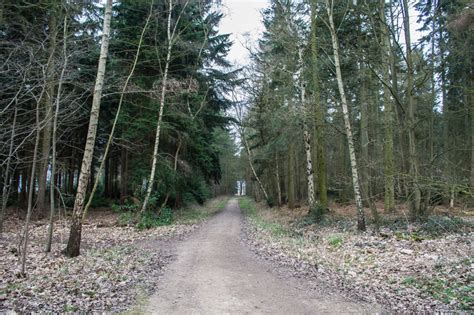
x,y
49,238
249,156
123,182
415,195
6,177
48,115
31,188
364,134
74,242
124,175
175,168
151,179
355,175
277,179
389,167
291,176
320,113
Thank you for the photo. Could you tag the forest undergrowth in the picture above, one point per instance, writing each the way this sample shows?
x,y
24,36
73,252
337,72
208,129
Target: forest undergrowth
x,y
118,265
405,266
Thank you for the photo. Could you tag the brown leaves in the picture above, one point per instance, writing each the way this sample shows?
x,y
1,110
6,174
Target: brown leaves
x,y
105,277
402,273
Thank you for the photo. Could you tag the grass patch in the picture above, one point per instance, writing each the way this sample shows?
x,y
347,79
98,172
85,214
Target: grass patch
x,y
249,209
197,213
335,241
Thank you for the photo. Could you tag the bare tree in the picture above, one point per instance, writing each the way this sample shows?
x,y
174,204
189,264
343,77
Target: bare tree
x,y
74,242
6,176
117,114
345,110
49,238
171,37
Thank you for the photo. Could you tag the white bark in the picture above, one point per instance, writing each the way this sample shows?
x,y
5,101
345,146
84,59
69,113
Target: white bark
x,y
249,156
73,246
307,138
160,114
347,122
117,115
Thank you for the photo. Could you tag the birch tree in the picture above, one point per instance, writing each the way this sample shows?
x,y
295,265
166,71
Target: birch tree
x,y
170,37
74,242
348,129
117,114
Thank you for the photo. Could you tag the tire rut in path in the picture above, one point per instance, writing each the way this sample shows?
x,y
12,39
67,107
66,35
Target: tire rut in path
x,y
214,273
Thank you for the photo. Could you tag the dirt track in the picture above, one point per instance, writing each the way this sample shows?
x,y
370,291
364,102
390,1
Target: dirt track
x,y
214,273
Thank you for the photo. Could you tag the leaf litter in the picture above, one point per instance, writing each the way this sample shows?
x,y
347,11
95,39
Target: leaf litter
x,y
401,270
115,267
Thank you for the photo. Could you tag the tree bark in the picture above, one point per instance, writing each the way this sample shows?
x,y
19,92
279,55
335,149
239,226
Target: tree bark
x,y
123,190
48,114
151,179
389,167
6,177
74,242
291,191
364,134
355,174
277,179
124,175
49,238
320,113
31,187
249,156
415,195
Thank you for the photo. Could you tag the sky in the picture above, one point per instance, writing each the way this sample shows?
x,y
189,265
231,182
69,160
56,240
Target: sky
x,y
243,21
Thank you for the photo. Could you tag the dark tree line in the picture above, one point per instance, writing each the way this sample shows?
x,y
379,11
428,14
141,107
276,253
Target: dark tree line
x,y
345,104
164,66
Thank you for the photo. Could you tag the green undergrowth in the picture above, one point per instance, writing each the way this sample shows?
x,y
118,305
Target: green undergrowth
x,y
198,213
447,290
249,209
129,215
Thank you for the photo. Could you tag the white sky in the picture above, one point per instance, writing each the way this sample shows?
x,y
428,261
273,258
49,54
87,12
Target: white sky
x,y
243,20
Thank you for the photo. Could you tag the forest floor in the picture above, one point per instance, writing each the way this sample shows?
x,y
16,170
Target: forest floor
x,y
216,273
414,267
118,267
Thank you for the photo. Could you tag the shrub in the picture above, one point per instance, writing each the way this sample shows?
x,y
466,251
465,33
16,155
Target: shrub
x,y
151,219
317,213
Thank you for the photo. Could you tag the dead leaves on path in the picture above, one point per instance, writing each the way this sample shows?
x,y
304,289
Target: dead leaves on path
x,y
111,270
402,273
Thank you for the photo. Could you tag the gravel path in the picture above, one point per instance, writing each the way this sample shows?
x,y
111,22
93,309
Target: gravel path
x,y
214,273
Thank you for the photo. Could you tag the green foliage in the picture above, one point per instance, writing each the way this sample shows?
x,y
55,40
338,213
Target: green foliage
x,y
127,218
249,209
444,290
439,225
317,213
197,213
335,241
100,201
151,219
270,202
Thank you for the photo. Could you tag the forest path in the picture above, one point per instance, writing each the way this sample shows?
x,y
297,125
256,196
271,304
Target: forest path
x,y
214,273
